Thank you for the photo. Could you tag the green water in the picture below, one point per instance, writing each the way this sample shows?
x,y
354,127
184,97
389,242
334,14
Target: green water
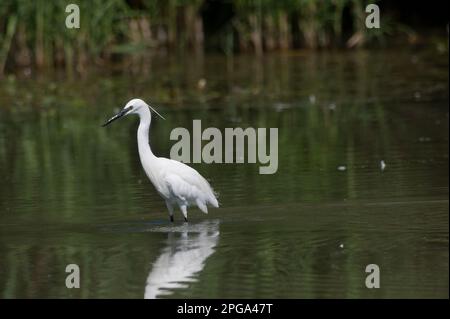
x,y
74,192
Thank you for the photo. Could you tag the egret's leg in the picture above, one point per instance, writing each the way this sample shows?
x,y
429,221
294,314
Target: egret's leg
x,y
170,209
183,209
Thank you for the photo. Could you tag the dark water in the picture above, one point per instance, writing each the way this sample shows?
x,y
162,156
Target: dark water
x,y
73,192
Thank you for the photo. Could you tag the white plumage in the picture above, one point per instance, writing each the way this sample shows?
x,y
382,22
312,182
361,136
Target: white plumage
x,y
176,182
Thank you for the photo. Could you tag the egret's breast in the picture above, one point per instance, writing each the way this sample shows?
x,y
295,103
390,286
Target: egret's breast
x,y
157,179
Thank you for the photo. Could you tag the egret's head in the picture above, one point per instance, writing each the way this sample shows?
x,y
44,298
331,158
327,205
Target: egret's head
x,y
134,106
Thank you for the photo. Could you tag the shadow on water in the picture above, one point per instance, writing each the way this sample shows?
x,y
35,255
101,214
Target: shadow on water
x,y
187,249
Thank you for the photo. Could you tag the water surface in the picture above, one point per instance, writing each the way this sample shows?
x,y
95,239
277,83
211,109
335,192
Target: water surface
x,y
73,192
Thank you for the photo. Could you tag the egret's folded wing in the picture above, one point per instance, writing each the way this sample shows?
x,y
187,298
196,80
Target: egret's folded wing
x,y
180,188
186,181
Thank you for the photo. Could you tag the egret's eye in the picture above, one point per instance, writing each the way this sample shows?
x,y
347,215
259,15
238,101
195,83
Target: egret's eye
x,y
127,109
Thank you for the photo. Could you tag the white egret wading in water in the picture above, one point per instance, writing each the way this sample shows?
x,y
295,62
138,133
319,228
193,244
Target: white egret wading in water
x,y
176,182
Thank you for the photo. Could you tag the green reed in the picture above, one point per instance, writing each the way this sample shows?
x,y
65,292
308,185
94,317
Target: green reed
x,y
33,33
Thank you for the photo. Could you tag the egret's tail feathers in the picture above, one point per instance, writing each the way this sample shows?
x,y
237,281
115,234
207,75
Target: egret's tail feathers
x,y
202,206
213,201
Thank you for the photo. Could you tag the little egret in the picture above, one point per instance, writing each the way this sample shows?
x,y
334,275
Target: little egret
x,y
176,182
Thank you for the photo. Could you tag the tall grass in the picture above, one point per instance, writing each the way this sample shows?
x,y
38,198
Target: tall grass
x,y
33,33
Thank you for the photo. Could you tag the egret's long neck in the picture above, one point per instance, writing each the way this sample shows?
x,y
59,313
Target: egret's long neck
x,y
145,152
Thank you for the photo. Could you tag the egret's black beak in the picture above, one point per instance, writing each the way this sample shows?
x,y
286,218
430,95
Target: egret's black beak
x,y
118,115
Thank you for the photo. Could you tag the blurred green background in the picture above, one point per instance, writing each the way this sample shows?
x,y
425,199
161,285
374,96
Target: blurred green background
x,y
32,33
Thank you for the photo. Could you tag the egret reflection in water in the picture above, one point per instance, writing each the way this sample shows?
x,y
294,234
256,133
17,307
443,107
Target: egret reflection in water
x,y
188,248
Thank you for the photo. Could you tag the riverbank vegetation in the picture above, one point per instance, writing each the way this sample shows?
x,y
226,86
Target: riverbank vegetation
x,y
33,33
